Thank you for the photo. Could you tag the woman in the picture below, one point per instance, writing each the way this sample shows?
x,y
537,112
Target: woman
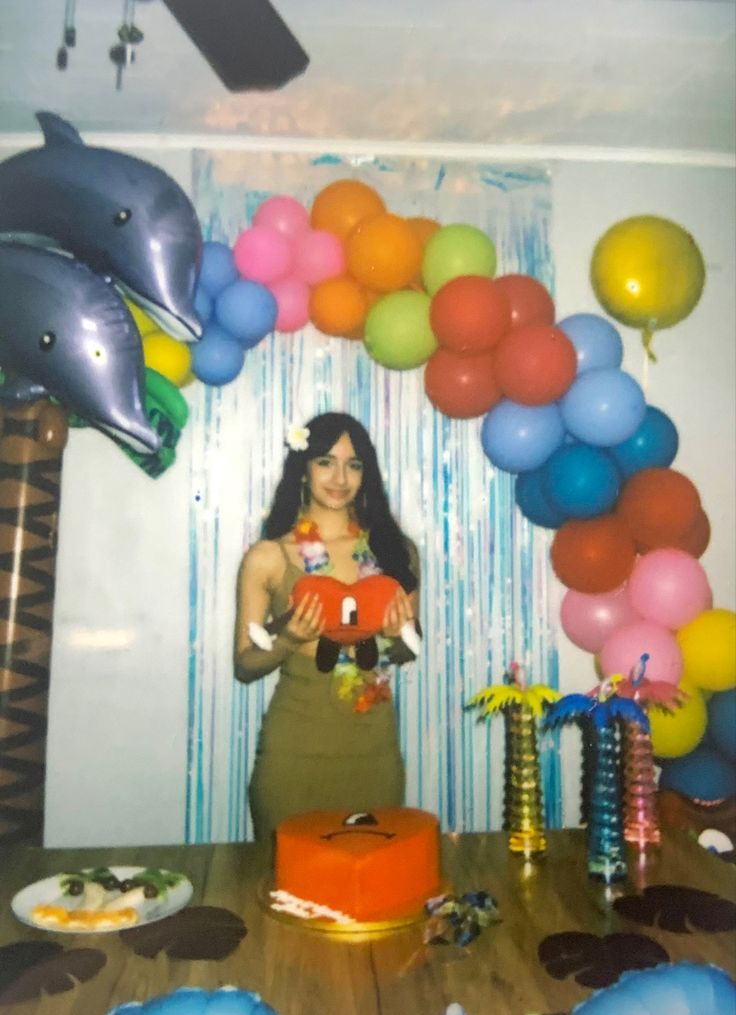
x,y
328,740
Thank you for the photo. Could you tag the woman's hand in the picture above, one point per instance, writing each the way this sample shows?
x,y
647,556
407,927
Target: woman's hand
x,y
398,612
307,621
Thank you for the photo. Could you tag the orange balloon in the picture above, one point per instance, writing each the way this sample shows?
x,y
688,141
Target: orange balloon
x,y
593,555
383,252
423,228
659,507
371,297
341,205
338,306
696,539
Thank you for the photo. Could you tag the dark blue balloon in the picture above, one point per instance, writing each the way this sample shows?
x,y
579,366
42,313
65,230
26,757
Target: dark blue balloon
x,y
596,341
533,502
654,445
218,268
248,310
517,438
217,358
580,481
721,729
704,774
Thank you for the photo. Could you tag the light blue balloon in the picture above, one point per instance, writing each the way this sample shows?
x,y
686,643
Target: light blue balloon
x,y
248,310
196,1001
203,305
518,438
653,445
217,358
237,1002
580,481
603,407
683,988
597,343
185,1001
218,268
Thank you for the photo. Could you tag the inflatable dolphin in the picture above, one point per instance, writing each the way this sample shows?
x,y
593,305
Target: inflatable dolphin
x,y
120,215
66,332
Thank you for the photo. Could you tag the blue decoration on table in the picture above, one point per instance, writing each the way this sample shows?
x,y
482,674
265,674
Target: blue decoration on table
x,y
721,728
703,774
652,446
580,481
684,987
597,343
533,502
195,1001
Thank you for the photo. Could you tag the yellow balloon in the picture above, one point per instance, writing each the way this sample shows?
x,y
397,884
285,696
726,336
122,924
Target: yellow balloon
x,y
708,646
143,322
677,733
168,356
647,272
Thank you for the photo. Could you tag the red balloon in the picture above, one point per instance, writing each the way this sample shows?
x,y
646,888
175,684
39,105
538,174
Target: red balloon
x,y
593,555
696,540
529,301
535,364
659,507
469,314
461,386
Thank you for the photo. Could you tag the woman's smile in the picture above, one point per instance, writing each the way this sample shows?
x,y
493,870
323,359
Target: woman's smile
x,y
335,476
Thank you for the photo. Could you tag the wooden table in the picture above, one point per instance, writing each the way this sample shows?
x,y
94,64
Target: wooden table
x,y
300,972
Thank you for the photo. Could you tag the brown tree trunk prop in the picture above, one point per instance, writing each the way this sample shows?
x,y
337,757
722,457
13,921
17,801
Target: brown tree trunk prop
x,y
32,439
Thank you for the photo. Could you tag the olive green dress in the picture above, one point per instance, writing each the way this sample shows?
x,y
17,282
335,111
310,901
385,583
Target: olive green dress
x,y
314,751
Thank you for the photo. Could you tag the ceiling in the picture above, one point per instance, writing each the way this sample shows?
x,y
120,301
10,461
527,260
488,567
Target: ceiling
x,y
656,75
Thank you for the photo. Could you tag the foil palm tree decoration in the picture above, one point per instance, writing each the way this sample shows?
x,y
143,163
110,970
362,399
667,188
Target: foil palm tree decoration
x,y
522,706
602,712
641,820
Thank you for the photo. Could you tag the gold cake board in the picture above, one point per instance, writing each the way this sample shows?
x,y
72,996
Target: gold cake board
x,y
352,932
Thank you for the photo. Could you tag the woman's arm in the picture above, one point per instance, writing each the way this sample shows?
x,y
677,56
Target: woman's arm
x,y
256,578
405,607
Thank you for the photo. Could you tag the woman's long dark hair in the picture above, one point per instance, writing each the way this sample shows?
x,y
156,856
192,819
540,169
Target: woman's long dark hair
x,y
371,504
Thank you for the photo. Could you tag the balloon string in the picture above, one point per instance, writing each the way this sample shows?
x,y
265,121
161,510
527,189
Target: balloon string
x,y
646,337
645,372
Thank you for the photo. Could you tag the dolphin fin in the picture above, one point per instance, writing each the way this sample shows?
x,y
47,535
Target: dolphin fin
x,y
20,389
57,131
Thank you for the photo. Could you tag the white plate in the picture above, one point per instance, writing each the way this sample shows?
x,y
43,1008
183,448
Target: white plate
x,y
49,892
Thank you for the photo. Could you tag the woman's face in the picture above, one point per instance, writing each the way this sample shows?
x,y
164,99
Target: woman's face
x,y
334,478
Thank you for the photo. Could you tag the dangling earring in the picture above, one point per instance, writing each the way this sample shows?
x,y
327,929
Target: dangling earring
x,y
303,498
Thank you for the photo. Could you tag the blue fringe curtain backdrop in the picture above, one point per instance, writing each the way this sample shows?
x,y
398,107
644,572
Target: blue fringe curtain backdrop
x,y
486,583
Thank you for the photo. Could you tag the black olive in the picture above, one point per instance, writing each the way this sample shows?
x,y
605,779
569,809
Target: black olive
x,y
75,887
110,884
127,884
150,891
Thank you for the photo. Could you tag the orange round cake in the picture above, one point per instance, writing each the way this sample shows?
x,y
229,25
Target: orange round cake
x,y
375,866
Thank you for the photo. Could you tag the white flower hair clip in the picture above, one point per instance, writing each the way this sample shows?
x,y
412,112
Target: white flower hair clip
x,y
297,437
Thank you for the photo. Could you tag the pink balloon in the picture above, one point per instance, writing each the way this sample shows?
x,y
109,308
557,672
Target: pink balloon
x,y
588,620
262,255
625,647
669,587
284,214
318,255
292,299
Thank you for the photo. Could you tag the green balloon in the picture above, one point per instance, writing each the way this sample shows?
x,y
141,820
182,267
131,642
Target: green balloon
x,y
397,330
454,251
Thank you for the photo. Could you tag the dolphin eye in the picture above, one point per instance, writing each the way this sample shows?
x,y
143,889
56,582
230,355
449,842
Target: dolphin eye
x,y
46,341
122,217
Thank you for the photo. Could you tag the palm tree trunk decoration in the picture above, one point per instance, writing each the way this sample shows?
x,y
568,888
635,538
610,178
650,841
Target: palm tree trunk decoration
x,y
606,712
523,803
32,439
641,818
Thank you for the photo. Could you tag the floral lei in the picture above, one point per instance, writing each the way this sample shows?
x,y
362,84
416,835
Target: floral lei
x,y
351,684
